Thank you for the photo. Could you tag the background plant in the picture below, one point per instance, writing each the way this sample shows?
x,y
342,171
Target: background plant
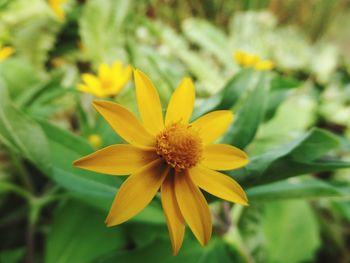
x,y
294,122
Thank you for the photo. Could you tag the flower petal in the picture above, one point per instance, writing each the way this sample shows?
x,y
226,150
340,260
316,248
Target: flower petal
x,y
104,71
213,125
148,103
175,221
181,103
124,123
193,207
91,81
223,157
137,192
119,159
218,184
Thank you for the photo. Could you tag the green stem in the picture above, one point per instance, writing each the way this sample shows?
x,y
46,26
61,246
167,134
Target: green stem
x,y
15,189
22,172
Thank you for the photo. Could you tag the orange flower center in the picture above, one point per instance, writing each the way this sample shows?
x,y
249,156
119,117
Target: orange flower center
x,y
180,146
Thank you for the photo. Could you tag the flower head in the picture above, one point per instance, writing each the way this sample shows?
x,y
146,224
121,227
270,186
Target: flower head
x,y
56,6
246,59
95,140
264,65
109,81
6,52
172,155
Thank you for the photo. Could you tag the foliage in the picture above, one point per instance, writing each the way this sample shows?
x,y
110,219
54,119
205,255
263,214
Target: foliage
x,y
292,121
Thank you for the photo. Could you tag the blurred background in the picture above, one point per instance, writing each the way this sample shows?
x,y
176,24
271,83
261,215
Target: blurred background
x,y
51,213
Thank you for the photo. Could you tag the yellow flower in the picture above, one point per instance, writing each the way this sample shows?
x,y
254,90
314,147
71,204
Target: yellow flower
x,y
108,82
264,65
56,6
6,52
245,59
171,155
95,140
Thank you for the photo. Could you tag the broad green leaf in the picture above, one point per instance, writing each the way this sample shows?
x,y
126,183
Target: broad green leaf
x,y
228,96
291,231
250,114
300,156
21,134
309,188
78,234
19,76
236,87
160,251
12,255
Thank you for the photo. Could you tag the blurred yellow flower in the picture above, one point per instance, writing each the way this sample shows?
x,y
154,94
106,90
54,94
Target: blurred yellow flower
x,y
56,6
95,140
171,155
6,52
264,65
109,81
245,59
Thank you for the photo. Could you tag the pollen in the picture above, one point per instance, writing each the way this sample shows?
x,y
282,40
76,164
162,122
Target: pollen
x,y
180,146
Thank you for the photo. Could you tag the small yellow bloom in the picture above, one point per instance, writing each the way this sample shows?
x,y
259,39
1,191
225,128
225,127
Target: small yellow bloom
x,y
171,155
264,65
95,140
56,6
6,52
108,82
245,59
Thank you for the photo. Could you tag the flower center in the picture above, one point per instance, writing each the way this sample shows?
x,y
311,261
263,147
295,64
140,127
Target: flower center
x,y
180,146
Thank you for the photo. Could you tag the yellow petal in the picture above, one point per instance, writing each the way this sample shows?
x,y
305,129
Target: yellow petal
x,y
193,207
223,157
137,192
175,221
148,103
181,103
91,81
119,159
5,52
104,72
124,123
218,184
117,67
264,65
213,125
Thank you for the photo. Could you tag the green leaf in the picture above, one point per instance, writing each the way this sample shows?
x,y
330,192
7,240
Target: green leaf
x,y
291,232
300,156
250,115
235,87
21,134
12,256
160,251
296,189
18,76
78,234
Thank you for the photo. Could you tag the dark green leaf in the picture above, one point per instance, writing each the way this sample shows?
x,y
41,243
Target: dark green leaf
x,y
309,188
291,232
250,115
300,156
78,234
21,134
